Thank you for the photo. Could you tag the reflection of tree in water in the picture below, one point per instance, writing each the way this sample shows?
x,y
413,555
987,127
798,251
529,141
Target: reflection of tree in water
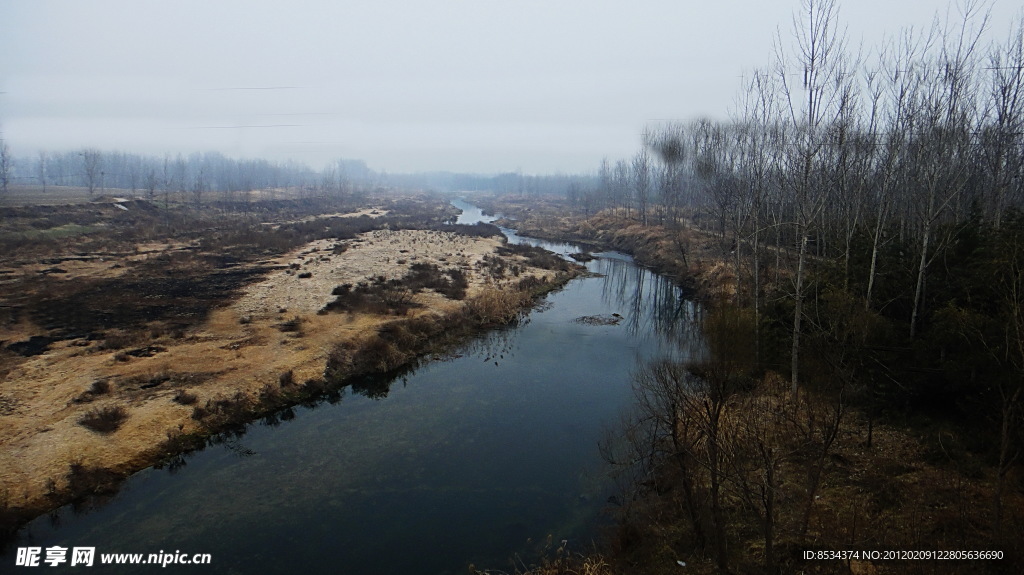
x,y
494,345
378,385
654,303
497,345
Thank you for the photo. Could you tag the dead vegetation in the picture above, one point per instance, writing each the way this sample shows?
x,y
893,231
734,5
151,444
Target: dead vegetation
x,y
104,419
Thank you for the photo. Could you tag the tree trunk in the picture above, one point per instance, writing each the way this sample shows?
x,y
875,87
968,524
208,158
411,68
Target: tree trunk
x,y
876,237
798,311
919,289
757,295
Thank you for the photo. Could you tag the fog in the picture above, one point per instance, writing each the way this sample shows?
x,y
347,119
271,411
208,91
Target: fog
x,y
467,86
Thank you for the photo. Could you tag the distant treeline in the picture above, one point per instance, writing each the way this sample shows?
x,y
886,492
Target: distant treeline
x,y
505,183
97,169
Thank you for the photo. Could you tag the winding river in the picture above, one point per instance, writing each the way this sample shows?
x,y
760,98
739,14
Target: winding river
x,y
469,459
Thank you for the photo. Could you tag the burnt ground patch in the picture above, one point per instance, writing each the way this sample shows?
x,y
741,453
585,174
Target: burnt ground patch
x,y
132,302
35,345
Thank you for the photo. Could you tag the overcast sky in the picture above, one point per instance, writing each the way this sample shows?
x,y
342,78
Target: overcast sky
x,y
481,86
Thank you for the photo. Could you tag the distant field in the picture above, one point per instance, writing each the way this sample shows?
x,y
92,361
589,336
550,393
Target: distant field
x,y
29,195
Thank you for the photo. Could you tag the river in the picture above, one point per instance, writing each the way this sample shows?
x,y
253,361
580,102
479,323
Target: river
x,y
468,459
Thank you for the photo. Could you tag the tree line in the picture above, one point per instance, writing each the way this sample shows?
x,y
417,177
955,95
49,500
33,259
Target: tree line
x,y
192,175
844,157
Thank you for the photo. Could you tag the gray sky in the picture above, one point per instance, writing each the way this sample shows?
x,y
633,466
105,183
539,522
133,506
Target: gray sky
x,y
484,86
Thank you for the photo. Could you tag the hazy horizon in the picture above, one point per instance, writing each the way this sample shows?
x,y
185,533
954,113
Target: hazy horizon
x,y
463,86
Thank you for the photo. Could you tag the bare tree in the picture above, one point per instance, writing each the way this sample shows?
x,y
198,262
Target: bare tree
x,y
1003,122
5,167
669,145
761,149
92,161
152,182
133,165
198,187
940,152
621,185
166,182
41,169
820,55
180,175
606,185
888,131
642,182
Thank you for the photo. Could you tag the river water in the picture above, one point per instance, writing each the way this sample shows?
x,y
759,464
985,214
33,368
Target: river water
x,y
470,459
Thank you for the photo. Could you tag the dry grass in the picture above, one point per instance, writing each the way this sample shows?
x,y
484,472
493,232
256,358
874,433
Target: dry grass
x,y
557,561
495,306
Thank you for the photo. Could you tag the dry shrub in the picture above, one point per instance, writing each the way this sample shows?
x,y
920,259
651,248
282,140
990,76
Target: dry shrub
x,y
199,413
225,410
185,398
378,296
118,339
495,306
315,387
98,387
536,256
287,378
560,561
293,325
270,393
398,333
104,420
380,355
451,283
88,480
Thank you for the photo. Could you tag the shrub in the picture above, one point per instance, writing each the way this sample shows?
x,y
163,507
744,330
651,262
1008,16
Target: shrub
x,y
495,306
287,378
185,398
83,479
119,340
293,325
270,394
380,355
450,283
104,420
536,256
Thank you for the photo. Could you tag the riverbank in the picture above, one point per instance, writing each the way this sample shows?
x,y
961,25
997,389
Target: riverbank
x,y
694,260
80,413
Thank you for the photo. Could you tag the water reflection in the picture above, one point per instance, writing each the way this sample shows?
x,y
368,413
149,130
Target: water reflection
x,y
655,304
